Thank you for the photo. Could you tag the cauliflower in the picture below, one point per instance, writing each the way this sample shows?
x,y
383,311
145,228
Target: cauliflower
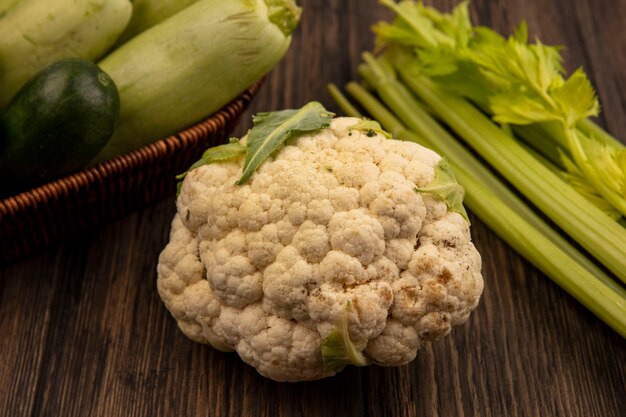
x,y
334,252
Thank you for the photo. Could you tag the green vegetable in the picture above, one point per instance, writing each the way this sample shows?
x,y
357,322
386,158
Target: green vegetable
x,y
589,128
36,33
498,206
570,173
338,350
190,65
56,123
518,83
5,5
446,188
344,103
588,225
231,150
272,129
585,223
147,13
421,50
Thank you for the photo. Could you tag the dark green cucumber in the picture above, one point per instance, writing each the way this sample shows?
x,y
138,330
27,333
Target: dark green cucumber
x,y
56,123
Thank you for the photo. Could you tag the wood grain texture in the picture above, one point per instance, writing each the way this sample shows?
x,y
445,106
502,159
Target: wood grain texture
x,y
83,331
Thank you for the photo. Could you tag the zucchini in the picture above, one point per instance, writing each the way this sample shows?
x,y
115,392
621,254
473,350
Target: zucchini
x,y
5,5
36,33
56,123
193,63
147,13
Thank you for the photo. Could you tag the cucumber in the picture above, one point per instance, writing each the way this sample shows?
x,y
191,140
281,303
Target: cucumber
x,y
56,123
35,33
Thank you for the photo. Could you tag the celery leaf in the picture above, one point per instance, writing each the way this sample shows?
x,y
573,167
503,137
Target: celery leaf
x,y
520,33
607,163
409,19
519,109
575,178
576,98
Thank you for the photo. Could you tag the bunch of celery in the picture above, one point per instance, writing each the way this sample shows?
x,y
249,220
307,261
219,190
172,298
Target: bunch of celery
x,y
491,91
520,85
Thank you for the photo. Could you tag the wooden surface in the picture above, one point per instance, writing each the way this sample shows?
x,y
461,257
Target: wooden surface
x,y
83,332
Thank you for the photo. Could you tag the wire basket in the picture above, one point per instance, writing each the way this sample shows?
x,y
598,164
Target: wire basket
x,y
33,219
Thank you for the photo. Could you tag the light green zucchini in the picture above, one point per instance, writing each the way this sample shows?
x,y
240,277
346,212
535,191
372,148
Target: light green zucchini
x,y
193,63
35,33
5,5
147,13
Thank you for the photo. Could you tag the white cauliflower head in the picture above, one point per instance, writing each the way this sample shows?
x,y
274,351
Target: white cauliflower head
x,y
332,232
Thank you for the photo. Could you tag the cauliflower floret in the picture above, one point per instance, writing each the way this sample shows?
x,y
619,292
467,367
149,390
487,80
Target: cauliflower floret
x,y
330,232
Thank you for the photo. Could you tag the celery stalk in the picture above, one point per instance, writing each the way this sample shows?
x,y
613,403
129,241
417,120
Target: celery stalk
x,y
516,81
343,103
588,225
589,128
512,220
535,140
398,98
534,136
